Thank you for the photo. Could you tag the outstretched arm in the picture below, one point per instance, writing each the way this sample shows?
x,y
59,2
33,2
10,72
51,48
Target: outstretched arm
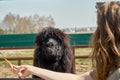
x,y
25,70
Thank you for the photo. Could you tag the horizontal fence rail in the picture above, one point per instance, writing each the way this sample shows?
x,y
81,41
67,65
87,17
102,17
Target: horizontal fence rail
x,y
19,59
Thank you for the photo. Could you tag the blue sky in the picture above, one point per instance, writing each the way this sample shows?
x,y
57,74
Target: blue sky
x,y
66,13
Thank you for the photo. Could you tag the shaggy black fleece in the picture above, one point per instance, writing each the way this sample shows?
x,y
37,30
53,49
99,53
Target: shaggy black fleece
x,y
53,51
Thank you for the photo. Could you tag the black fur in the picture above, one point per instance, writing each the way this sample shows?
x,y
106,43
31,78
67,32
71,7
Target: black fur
x,y
53,51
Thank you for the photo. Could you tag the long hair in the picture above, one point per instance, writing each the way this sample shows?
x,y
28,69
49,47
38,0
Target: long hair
x,y
106,40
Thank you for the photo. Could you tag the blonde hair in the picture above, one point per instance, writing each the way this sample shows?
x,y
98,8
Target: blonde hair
x,y
106,39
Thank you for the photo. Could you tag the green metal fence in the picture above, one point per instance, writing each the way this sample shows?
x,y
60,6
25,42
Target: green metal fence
x,y
27,40
80,39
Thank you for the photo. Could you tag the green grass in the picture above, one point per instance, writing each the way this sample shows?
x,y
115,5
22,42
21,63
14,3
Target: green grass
x,y
85,61
28,62
82,51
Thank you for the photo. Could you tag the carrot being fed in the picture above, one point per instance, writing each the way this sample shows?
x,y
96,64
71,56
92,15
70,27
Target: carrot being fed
x,y
9,63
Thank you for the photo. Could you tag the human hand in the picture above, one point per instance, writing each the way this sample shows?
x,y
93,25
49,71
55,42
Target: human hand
x,y
22,71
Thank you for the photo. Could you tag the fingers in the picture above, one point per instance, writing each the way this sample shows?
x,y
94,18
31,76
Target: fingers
x,y
16,69
21,71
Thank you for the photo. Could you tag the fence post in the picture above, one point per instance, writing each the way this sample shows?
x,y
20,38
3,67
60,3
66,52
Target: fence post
x,y
73,50
19,61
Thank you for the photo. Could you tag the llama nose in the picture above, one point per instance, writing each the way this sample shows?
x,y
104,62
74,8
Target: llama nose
x,y
50,43
50,51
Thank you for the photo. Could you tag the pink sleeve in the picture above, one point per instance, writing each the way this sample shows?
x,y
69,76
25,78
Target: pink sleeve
x,y
85,76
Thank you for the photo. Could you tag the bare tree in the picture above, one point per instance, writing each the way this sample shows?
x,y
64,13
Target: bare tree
x,y
50,22
1,31
9,21
16,24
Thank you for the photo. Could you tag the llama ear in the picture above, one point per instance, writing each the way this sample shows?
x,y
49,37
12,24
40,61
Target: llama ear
x,y
67,59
